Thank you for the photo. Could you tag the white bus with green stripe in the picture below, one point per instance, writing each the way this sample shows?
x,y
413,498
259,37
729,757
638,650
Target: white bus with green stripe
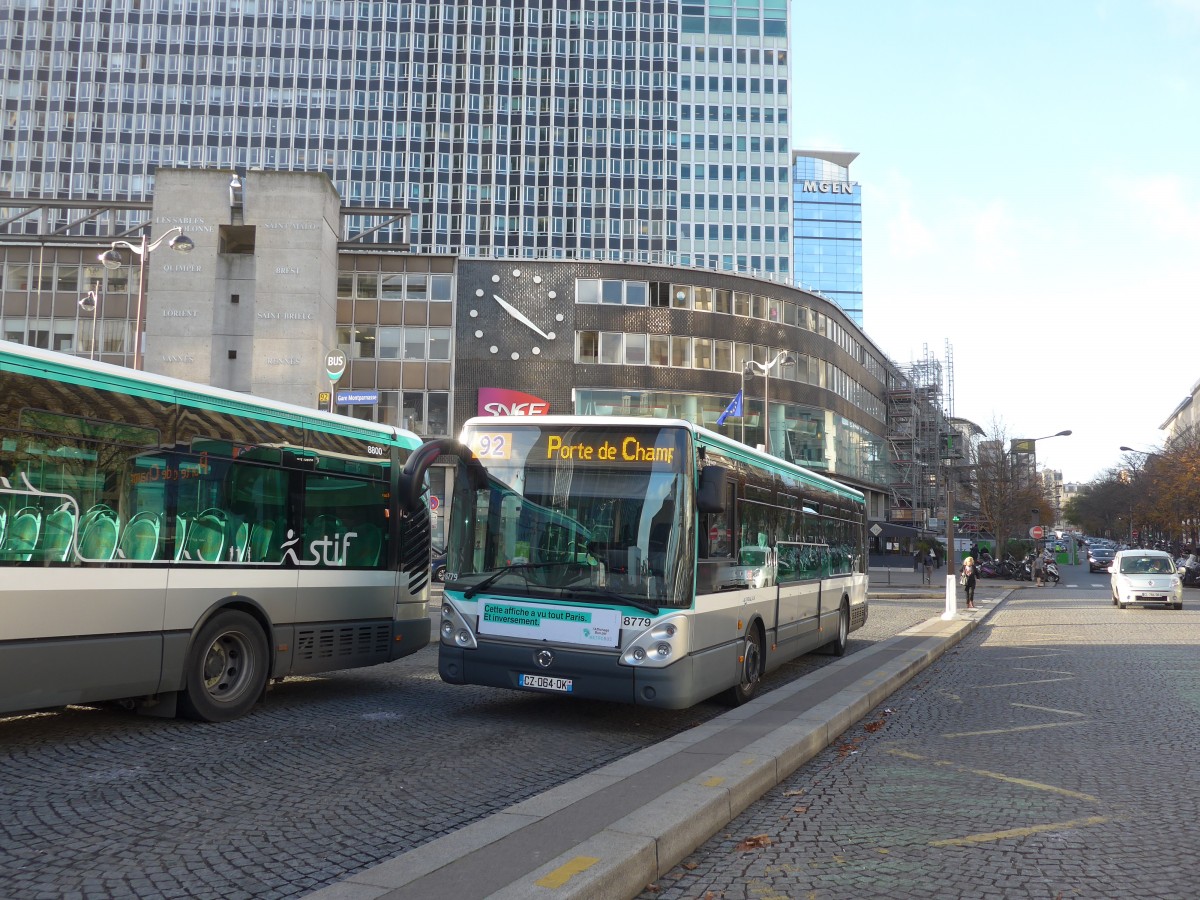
x,y
646,561
175,546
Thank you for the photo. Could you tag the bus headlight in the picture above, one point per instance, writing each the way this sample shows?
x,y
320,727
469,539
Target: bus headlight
x,y
455,628
659,645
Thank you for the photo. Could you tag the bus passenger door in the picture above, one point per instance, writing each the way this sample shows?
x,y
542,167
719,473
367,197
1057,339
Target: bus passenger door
x,y
798,569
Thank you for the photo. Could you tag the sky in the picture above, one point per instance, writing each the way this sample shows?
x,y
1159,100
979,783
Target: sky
x,y
1030,177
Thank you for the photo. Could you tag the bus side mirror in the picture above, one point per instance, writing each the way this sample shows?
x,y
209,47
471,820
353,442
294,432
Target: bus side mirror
x,y
710,495
412,478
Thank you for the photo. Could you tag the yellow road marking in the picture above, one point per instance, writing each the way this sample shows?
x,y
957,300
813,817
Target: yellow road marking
x,y
1061,712
715,781
1018,832
567,871
1036,785
998,776
1015,728
1024,683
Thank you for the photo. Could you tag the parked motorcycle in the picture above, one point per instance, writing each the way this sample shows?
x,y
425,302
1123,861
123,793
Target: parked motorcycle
x,y
1191,570
1050,570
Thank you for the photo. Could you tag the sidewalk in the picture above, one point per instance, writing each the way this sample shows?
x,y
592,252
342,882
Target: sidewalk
x,y
611,832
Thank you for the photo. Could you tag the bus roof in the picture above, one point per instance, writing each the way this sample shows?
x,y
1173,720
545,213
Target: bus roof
x,y
703,435
20,358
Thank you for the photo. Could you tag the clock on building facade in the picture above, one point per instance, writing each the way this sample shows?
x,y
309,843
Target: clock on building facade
x,y
520,297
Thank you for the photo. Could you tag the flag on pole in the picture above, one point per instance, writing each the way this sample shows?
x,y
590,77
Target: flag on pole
x,y
733,409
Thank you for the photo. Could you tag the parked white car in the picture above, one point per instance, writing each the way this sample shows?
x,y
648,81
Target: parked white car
x,y
1145,576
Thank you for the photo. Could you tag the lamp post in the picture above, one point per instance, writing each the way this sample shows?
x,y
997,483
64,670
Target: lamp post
x,y
90,303
1029,445
782,357
112,259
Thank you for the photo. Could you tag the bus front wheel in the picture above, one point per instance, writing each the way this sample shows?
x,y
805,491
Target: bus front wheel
x,y
838,645
750,668
226,670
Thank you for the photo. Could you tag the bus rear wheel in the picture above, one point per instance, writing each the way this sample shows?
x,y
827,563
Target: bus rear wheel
x,y
750,668
837,646
226,670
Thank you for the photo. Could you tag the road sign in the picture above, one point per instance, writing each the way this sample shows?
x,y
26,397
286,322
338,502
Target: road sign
x,y
434,503
357,398
335,364
1037,532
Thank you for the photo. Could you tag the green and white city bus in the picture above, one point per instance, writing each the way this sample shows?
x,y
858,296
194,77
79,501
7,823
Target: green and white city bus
x,y
646,561
170,544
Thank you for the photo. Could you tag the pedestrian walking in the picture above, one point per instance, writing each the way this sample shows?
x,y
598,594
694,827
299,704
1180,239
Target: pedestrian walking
x,y
967,578
930,559
1039,572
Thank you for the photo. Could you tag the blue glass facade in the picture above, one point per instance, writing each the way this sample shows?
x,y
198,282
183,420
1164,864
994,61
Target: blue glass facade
x,y
827,228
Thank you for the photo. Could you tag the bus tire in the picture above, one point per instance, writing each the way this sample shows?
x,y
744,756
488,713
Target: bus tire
x,y
837,646
226,670
750,670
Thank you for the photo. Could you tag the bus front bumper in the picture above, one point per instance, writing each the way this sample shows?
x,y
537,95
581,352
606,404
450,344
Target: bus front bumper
x,y
592,675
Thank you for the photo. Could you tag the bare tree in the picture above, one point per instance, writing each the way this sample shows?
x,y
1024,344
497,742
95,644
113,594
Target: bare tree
x,y
1010,495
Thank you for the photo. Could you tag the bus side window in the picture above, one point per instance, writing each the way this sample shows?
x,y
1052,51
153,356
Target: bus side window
x,y
345,517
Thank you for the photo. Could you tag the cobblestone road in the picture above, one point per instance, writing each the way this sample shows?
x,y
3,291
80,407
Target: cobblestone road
x,y
332,775
1053,754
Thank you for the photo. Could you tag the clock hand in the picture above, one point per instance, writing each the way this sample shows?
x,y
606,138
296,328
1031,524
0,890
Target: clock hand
x,y
520,316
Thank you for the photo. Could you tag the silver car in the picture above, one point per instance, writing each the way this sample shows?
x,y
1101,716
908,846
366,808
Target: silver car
x,y
1145,576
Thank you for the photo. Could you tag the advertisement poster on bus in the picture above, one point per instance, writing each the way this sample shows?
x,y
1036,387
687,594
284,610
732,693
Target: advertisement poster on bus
x,y
557,624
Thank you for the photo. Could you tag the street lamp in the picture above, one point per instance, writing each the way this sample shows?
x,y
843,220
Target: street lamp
x,y
1029,445
782,357
112,259
90,303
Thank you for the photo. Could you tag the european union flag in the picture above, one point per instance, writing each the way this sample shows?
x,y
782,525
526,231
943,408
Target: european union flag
x,y
733,409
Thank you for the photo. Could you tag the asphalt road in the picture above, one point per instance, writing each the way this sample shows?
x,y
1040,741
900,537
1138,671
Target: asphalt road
x,y
332,775
1052,754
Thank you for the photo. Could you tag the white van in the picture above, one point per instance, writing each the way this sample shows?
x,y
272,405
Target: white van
x,y
1146,576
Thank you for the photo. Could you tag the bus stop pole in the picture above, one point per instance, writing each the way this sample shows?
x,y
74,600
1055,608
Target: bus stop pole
x,y
951,553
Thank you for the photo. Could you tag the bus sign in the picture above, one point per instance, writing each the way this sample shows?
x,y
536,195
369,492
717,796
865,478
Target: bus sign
x,y
335,364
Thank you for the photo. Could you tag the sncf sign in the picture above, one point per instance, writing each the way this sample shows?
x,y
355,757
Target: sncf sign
x,y
503,402
830,187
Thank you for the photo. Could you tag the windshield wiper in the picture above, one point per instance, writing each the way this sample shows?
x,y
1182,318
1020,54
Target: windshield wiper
x,y
495,576
604,593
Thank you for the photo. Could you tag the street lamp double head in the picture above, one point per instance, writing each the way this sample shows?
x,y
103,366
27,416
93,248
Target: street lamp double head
x,y
112,259
179,242
783,357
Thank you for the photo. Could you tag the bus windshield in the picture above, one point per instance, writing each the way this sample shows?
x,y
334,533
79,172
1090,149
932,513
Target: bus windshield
x,y
588,512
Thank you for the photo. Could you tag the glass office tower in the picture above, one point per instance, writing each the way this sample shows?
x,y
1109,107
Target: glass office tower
x,y
553,127
827,211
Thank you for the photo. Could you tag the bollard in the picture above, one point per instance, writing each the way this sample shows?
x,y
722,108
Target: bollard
x,y
951,596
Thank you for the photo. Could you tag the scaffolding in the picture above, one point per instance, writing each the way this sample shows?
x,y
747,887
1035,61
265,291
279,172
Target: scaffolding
x,y
918,423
